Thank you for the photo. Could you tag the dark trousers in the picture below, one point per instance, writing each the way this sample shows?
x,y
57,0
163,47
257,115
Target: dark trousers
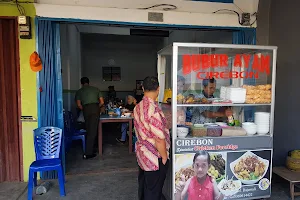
x,y
151,182
91,113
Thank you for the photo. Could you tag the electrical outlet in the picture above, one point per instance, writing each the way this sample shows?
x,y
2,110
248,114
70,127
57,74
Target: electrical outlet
x,y
155,17
245,21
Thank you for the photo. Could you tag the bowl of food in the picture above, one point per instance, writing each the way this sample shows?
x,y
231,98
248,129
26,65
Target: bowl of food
x,y
182,132
124,110
127,114
229,187
111,113
249,168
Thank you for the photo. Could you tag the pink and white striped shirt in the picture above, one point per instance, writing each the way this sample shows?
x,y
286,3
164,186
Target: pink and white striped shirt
x,y
150,124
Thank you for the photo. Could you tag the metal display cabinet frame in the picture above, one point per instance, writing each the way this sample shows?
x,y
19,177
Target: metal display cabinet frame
x,y
173,52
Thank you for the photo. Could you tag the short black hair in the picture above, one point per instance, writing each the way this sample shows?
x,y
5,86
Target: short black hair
x,y
150,83
85,80
202,153
205,82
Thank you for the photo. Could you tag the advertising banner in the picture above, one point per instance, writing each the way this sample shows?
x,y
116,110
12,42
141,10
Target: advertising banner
x,y
223,168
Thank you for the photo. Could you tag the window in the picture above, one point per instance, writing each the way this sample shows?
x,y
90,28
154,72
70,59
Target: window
x,y
111,73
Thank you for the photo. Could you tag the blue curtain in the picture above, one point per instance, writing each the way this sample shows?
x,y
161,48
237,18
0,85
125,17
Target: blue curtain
x,y
50,82
246,37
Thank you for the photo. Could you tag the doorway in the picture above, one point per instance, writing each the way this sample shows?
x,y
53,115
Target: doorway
x,y
88,48
10,138
80,56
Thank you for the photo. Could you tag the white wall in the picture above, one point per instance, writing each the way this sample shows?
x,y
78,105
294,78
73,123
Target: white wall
x,y
188,12
182,5
135,55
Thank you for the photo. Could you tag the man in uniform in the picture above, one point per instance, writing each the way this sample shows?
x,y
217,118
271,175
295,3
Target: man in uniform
x,y
89,100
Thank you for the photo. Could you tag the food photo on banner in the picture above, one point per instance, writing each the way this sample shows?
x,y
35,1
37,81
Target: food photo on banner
x,y
252,170
222,175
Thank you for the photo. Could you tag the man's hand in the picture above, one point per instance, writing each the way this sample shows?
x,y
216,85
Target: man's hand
x,y
79,105
228,112
101,101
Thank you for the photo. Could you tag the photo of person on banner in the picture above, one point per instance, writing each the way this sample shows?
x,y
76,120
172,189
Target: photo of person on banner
x,y
201,186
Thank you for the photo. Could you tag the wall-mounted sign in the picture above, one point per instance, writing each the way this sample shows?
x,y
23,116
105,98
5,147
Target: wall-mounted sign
x,y
200,63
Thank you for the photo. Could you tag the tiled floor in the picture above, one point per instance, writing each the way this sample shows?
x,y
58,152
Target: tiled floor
x,y
115,156
112,178
12,191
120,186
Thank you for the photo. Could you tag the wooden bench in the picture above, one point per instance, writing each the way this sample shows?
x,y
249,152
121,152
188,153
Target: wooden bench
x,y
291,176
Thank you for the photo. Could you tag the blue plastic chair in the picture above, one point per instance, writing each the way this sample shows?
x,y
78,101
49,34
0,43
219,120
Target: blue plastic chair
x,y
47,144
76,134
67,132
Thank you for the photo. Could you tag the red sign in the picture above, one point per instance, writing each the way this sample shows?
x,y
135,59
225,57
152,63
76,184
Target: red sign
x,y
260,64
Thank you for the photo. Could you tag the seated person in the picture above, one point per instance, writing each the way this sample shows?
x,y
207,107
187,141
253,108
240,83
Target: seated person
x,y
111,93
131,103
209,114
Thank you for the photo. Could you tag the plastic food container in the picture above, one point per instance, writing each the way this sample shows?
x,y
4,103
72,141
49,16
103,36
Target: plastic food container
x,y
199,131
182,132
214,131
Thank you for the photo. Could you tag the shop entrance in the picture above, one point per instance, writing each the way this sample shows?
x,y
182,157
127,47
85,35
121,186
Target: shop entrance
x,y
84,49
88,50
10,139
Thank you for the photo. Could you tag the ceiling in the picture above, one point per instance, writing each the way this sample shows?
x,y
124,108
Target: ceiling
x,y
182,5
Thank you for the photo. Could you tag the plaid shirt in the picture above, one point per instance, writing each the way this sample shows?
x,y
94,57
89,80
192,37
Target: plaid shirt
x,y
150,124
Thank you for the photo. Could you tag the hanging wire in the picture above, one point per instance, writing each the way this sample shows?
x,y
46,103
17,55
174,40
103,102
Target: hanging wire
x,y
254,14
228,10
18,3
167,7
239,17
20,8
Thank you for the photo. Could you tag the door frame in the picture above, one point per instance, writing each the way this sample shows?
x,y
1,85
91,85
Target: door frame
x,y
20,138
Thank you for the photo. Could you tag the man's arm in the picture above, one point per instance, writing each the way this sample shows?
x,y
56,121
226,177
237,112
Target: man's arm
x,y
79,105
162,149
221,113
101,101
158,129
210,114
78,100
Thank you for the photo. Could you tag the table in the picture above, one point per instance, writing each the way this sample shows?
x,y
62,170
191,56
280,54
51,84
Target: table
x,y
291,176
113,119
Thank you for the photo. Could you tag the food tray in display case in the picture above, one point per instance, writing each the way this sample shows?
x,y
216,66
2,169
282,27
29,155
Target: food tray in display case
x,y
216,88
